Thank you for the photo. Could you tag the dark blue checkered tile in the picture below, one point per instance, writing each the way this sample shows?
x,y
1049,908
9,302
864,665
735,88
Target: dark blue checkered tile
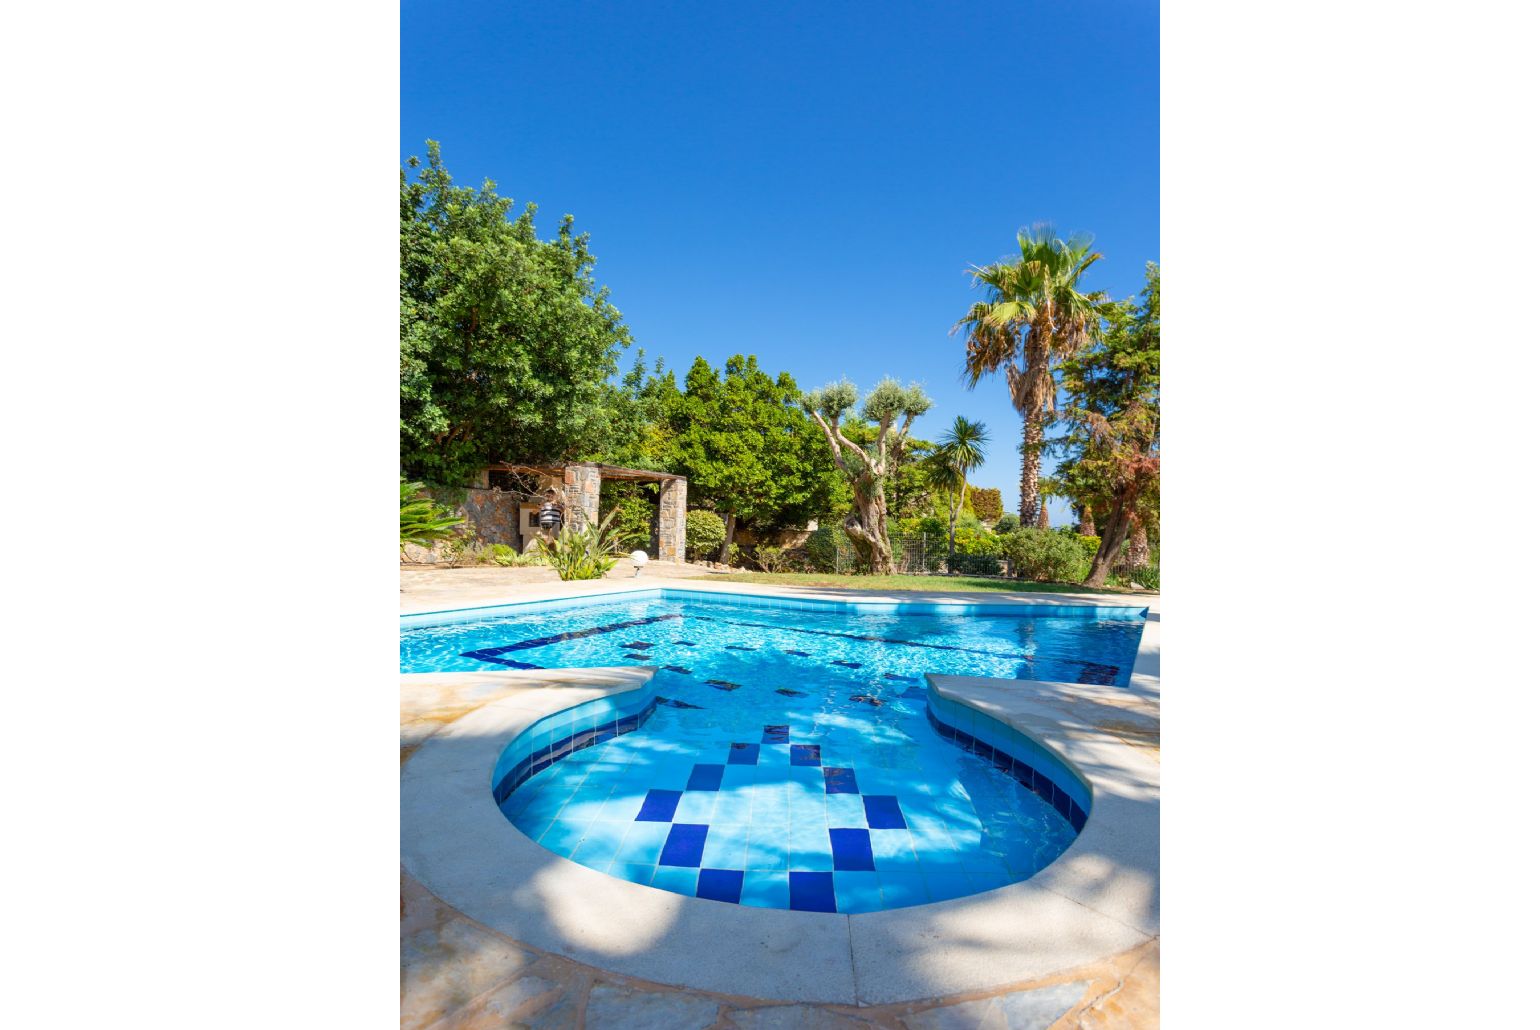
x,y
743,754
686,842
806,754
720,885
670,702
724,684
705,777
740,647
776,734
658,806
678,668
840,781
812,892
852,850
867,699
685,643
799,654
882,812
788,692
848,665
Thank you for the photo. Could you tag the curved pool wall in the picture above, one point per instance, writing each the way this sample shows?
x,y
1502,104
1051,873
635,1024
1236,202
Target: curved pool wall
x,y
567,732
1021,609
1013,753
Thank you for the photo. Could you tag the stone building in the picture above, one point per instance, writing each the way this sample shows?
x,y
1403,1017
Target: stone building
x,y
504,505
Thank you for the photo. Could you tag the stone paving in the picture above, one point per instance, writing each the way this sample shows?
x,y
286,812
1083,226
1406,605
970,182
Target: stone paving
x,y
457,973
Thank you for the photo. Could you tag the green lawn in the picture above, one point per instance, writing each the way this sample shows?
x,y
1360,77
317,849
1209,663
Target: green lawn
x,y
999,586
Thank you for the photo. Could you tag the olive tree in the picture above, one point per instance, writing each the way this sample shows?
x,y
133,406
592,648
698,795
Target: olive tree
x,y
893,409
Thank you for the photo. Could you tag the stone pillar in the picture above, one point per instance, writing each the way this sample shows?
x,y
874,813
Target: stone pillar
x,y
671,510
581,486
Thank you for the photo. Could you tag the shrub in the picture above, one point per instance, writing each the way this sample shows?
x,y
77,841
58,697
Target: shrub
x,y
771,558
822,550
986,503
703,535
423,521
1009,522
502,554
976,564
975,541
1045,555
586,553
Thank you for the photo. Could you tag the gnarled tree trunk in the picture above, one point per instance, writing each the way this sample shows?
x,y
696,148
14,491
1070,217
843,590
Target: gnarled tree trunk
x,y
1087,525
867,527
1113,534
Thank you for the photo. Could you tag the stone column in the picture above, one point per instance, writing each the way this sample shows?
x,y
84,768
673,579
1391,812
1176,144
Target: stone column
x,y
581,486
671,509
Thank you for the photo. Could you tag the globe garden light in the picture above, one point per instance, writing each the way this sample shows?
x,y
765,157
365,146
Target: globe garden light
x,y
640,557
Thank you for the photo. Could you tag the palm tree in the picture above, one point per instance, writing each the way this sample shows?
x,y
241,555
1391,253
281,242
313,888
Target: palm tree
x,y
1034,316
960,452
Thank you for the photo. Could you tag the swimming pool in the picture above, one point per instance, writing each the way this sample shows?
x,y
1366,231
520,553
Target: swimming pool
x,y
787,754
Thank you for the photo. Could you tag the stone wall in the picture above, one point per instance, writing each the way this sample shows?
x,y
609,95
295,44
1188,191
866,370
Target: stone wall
x,y
490,515
582,495
671,512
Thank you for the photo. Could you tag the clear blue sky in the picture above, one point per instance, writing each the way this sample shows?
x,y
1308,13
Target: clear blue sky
x,y
807,182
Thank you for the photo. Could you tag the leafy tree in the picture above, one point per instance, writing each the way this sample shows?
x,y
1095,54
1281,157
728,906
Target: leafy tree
x,y
1115,415
703,534
961,452
986,502
1007,522
424,521
748,449
893,408
1033,317
506,341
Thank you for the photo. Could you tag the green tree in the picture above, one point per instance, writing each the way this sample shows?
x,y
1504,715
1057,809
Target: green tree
x,y
1034,315
961,451
986,503
1115,418
748,449
893,408
507,343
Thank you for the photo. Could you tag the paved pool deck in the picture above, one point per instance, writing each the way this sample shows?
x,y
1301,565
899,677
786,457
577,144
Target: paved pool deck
x,y
537,941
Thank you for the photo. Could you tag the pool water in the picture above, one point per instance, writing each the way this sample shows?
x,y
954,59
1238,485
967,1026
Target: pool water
x,y
790,761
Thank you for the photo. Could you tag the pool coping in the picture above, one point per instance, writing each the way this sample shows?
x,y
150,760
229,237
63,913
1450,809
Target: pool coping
x,y
1100,897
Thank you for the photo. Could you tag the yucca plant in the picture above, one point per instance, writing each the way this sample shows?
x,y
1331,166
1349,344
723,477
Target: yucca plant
x,y
586,552
424,521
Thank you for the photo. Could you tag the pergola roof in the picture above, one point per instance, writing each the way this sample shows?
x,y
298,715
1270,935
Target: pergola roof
x,y
605,471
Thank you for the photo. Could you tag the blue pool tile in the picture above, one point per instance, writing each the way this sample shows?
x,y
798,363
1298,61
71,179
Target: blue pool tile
x,y
981,882
857,892
891,850
685,843
705,777
848,665
845,810
658,806
810,848
636,873
728,685
743,754
696,807
561,838
839,781
720,885
806,754
643,844
812,892
775,734
677,668
733,808
882,812
726,848
900,889
768,849
944,886
765,889
798,654
597,850
685,643
852,850
735,776
788,692
680,881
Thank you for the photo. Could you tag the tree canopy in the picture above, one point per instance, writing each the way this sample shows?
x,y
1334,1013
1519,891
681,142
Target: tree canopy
x,y
506,340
